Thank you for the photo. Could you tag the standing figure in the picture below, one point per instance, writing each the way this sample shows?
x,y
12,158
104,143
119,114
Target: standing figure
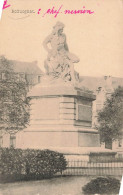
x,y
59,62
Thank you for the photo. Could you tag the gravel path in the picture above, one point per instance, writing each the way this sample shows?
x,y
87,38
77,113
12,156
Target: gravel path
x,y
55,186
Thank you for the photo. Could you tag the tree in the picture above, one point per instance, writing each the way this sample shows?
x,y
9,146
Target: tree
x,y
14,115
110,119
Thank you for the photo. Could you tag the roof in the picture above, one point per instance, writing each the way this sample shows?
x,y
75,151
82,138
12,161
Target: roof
x,y
92,83
26,67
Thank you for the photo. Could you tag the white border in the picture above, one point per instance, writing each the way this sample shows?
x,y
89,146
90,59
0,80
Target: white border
x,y
1,7
121,187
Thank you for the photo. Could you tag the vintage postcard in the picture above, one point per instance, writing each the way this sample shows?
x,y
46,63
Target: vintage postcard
x,y
61,97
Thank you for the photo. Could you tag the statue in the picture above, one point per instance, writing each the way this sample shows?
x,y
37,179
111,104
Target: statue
x,y
60,62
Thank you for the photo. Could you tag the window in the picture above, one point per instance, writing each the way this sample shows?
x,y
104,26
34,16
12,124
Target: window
x,y
39,79
12,141
120,143
1,141
3,76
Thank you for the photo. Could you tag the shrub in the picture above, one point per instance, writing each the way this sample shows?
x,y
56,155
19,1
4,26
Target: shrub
x,y
11,161
30,164
45,163
102,185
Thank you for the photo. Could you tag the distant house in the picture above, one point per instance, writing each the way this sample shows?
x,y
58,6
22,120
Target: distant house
x,y
25,71
29,70
103,88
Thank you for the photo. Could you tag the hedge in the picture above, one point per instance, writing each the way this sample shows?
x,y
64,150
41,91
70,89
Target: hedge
x,y
18,164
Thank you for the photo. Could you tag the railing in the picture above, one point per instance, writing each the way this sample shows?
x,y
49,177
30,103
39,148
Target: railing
x,y
94,168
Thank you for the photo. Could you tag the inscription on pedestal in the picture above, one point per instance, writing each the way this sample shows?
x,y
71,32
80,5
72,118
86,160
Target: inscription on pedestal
x,y
84,113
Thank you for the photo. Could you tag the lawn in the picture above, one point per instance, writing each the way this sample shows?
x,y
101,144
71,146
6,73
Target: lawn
x,y
56,186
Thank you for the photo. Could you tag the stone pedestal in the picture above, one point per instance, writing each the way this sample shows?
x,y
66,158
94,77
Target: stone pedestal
x,y
61,120
60,116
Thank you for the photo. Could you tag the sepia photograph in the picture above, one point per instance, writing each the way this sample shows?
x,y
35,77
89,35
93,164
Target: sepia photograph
x,y
61,97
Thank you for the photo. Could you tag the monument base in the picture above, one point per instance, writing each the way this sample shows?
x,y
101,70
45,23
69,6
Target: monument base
x,y
60,116
61,120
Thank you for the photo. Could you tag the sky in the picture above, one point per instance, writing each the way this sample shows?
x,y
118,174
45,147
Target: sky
x,y
95,38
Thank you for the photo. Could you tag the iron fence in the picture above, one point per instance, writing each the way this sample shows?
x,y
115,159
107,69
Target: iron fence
x,y
78,167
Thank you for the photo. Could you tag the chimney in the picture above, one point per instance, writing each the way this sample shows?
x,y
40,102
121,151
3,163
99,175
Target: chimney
x,y
108,84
